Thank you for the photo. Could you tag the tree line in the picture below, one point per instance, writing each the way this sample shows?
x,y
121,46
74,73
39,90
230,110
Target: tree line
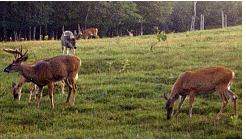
x,y
32,20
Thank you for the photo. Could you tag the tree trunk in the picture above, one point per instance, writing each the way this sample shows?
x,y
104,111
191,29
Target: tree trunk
x,y
30,33
202,22
5,33
193,18
223,19
46,29
15,37
34,33
141,30
53,36
19,37
25,37
40,32
87,15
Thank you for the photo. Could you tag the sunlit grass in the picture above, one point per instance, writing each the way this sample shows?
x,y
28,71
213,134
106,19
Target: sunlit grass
x,y
120,89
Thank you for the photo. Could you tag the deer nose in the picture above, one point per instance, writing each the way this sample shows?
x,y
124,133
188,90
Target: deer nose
x,y
6,71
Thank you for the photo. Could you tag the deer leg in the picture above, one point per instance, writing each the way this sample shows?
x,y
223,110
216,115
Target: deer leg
x,y
54,86
63,48
74,90
73,51
233,97
51,87
68,51
70,90
182,99
192,97
32,90
62,85
40,89
224,102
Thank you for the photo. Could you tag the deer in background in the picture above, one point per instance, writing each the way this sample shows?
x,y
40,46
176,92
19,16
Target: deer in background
x,y
46,72
90,32
17,88
202,81
130,33
68,41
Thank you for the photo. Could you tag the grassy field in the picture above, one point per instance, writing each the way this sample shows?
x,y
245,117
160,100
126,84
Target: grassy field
x,y
120,89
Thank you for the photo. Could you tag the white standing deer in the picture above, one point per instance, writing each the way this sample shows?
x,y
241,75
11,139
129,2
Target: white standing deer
x,y
17,88
202,81
46,72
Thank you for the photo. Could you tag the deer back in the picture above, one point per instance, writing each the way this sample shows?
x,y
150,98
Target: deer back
x,y
54,69
204,80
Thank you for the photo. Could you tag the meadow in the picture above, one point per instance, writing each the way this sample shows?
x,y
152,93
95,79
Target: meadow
x,y
120,89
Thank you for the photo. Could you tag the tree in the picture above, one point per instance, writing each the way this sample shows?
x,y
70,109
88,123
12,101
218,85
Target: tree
x,y
21,19
154,12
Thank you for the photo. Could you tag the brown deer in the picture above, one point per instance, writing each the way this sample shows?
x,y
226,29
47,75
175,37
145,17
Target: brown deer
x,y
17,88
46,72
201,81
90,32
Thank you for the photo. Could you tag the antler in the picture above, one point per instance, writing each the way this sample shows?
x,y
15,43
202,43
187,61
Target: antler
x,y
16,52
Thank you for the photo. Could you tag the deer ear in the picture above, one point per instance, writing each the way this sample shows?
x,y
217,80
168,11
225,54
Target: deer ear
x,y
13,84
165,96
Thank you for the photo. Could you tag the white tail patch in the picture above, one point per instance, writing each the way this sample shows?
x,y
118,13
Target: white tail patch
x,y
230,83
77,76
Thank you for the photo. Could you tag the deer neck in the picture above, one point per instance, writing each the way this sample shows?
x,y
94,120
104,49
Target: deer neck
x,y
21,82
28,71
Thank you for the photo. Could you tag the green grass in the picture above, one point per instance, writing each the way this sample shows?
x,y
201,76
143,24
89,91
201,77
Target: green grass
x,y
120,89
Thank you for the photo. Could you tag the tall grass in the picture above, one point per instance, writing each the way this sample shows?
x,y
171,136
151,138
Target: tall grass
x,y
120,88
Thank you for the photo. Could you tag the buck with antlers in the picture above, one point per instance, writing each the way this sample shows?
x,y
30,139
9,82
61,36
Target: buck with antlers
x,y
46,72
17,88
90,32
201,81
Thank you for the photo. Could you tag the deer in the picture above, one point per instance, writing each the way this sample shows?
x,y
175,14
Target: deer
x,y
202,81
90,32
46,72
17,88
130,33
68,41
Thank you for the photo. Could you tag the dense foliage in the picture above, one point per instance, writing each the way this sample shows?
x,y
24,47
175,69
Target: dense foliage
x,y
30,19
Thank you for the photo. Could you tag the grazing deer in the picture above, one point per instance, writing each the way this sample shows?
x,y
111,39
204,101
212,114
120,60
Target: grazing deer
x,y
130,33
90,32
46,72
17,88
68,41
202,81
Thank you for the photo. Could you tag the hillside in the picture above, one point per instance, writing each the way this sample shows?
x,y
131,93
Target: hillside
x,y
120,89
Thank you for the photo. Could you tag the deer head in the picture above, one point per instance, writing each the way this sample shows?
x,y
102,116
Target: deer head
x,y
16,91
19,59
170,104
